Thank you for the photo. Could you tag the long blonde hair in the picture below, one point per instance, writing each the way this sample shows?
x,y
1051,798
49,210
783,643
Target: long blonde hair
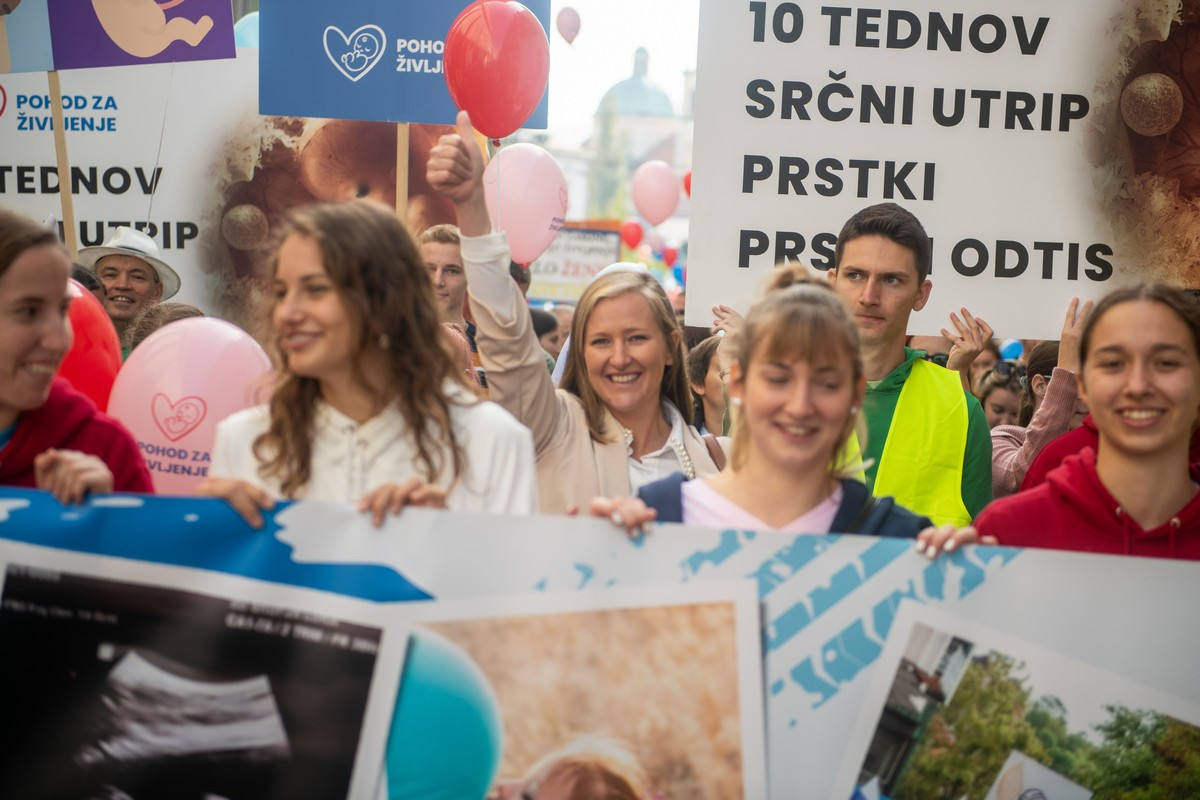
x,y
797,317
674,385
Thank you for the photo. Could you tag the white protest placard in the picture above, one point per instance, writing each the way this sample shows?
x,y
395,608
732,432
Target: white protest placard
x,y
179,151
571,262
1000,125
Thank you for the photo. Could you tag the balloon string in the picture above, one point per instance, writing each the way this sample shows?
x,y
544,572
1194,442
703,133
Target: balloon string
x,y
161,135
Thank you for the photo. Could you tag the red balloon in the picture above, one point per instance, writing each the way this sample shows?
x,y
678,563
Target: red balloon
x,y
95,356
687,182
497,62
670,255
631,233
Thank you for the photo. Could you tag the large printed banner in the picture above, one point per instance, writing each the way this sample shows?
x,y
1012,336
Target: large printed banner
x,y
829,602
210,194
1049,149
364,59
41,35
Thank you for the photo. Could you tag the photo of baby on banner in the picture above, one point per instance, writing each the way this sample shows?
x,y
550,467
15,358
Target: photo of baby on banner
x,y
116,688
967,712
644,693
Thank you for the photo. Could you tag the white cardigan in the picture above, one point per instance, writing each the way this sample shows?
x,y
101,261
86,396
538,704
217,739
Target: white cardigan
x,y
349,460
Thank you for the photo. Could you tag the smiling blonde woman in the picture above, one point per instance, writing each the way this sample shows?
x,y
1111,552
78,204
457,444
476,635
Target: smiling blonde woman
x,y
615,423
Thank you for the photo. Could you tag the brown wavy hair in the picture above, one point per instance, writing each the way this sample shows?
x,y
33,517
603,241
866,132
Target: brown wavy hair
x,y
674,385
19,233
380,278
798,316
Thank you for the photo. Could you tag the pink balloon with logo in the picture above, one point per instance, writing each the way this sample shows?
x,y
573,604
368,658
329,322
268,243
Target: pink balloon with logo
x,y
655,191
526,197
177,385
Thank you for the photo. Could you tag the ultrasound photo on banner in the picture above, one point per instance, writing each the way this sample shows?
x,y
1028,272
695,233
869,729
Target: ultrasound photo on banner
x,y
112,689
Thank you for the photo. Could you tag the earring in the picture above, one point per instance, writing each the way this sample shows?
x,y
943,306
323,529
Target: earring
x,y
384,341
737,401
853,410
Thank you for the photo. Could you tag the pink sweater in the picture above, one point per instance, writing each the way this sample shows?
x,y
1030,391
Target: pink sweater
x,y
1014,447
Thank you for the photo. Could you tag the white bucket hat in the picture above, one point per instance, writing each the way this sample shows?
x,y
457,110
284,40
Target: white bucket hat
x,y
130,242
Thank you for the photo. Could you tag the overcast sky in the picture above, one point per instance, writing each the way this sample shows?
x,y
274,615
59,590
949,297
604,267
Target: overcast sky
x,y
610,31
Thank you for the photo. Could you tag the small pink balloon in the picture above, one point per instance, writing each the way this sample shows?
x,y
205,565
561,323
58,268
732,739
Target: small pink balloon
x,y
655,191
526,197
177,385
568,24
655,240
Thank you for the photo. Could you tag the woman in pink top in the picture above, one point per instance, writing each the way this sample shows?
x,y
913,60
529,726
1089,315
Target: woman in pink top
x,y
1049,405
795,386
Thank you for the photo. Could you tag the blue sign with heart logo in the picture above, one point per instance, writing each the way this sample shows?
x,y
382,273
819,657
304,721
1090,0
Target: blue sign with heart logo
x,y
362,59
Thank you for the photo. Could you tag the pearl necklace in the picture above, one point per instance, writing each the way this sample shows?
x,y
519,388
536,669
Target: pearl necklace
x,y
685,461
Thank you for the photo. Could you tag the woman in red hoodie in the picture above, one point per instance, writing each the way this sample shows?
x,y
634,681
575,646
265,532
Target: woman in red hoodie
x,y
1135,493
51,437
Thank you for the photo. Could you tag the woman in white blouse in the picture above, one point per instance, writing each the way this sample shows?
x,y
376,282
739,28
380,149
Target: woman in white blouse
x,y
369,403
614,424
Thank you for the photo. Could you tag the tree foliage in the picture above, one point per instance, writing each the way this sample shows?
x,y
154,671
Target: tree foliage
x,y
608,172
1141,755
970,738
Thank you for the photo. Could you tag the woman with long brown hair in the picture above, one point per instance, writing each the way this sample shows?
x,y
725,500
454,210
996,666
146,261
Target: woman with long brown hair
x,y
616,420
369,403
1135,493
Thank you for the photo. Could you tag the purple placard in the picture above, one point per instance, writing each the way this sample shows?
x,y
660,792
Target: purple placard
x,y
108,33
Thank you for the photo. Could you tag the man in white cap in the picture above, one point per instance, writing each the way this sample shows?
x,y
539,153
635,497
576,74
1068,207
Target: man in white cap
x,y
133,273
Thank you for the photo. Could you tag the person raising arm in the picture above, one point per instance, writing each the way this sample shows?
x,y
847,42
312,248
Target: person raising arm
x,y
616,423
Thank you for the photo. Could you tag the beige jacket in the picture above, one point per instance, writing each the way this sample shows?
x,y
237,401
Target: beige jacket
x,y
571,467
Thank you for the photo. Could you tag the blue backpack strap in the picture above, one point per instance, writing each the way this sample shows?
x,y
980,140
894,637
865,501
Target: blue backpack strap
x,y
665,496
860,512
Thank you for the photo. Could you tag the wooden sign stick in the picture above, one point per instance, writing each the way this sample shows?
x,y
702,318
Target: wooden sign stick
x,y
70,231
402,172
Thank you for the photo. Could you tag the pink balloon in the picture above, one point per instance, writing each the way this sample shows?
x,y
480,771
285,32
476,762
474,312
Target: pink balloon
x,y
568,24
177,385
655,240
526,197
655,191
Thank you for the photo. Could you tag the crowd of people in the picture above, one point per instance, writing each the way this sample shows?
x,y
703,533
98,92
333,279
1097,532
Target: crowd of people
x,y
412,371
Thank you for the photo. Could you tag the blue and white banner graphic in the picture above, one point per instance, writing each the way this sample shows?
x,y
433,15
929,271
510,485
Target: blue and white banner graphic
x,y
828,602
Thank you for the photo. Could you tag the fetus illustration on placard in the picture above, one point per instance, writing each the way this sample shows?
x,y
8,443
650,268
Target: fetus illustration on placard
x,y
140,27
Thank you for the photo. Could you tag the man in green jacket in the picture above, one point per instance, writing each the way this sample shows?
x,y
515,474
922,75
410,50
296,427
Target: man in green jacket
x,y
927,437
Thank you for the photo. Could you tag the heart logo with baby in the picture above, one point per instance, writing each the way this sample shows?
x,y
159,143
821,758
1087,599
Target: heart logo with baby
x,y
178,419
355,54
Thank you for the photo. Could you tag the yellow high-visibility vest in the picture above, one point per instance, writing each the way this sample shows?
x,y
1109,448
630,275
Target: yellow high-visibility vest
x,y
922,460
